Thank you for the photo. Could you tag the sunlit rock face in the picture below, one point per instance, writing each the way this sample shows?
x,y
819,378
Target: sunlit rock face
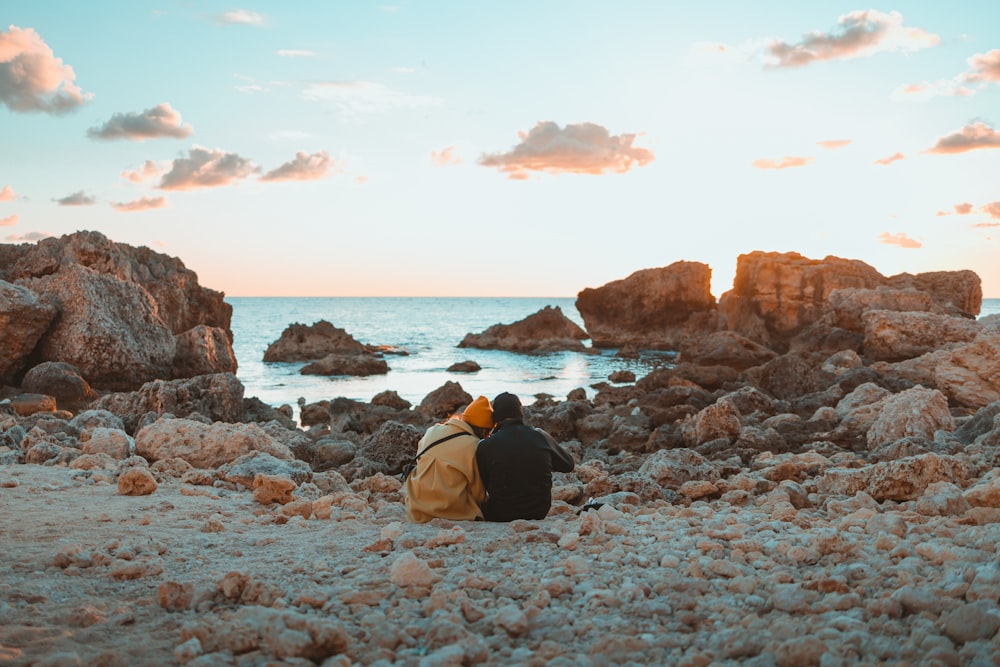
x,y
652,308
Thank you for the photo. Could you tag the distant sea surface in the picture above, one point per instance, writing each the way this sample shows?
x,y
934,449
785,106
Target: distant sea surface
x,y
429,329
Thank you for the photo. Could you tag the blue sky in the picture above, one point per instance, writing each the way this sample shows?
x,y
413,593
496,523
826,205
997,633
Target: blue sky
x,y
503,148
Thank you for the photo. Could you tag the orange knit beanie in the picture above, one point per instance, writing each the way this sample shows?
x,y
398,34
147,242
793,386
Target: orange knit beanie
x,y
479,413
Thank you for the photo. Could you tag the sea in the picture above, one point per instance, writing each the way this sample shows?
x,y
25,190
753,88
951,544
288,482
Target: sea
x,y
429,330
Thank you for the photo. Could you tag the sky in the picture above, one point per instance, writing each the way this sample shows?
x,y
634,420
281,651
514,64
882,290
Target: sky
x,y
503,148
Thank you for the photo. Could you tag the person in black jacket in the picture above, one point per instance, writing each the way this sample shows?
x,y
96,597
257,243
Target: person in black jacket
x,y
516,464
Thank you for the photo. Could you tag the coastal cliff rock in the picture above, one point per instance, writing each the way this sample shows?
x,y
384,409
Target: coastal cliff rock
x,y
651,308
108,328
202,350
24,319
893,336
548,330
724,348
958,293
300,342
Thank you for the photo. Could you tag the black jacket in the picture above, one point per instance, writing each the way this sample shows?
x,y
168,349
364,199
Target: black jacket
x,y
516,464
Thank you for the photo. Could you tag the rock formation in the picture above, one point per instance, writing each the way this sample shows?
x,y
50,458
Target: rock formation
x,y
299,342
651,308
548,330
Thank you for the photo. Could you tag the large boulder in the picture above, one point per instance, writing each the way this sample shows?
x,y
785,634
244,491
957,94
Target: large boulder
x,y
775,295
299,342
181,302
903,479
953,292
446,400
216,397
205,445
845,307
894,336
724,348
60,380
652,308
203,350
548,330
24,318
914,412
108,328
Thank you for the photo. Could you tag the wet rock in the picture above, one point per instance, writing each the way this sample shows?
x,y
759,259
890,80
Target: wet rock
x,y
359,365
548,330
299,342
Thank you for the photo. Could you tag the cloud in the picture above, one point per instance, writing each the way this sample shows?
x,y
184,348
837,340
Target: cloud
x,y
32,78
985,225
76,199
295,53
147,170
928,89
9,221
240,17
30,237
7,194
900,239
159,122
784,163
992,209
354,98
857,34
304,167
889,160
582,148
969,138
834,144
141,204
445,157
206,168
963,209
984,67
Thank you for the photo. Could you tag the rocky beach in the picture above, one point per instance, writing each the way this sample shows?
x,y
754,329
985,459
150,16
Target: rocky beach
x,y
813,481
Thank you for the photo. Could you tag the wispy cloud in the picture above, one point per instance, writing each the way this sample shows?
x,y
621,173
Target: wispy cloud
x,y
445,157
9,221
972,137
983,68
786,162
206,168
582,148
7,194
304,167
141,204
32,78
76,199
162,121
240,17
889,160
834,144
147,170
355,98
856,35
30,237
296,53
900,239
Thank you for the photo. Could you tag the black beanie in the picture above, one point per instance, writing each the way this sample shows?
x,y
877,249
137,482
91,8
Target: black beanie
x,y
507,406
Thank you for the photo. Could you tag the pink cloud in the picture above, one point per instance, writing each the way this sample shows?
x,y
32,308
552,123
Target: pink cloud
x,y
985,225
147,170
889,160
206,168
445,157
992,209
76,199
30,237
304,167
857,34
7,194
159,122
786,162
583,148
9,221
834,144
964,208
900,239
971,137
984,67
141,204
32,78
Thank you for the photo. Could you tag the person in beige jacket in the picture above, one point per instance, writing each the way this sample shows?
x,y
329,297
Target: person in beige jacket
x,y
445,482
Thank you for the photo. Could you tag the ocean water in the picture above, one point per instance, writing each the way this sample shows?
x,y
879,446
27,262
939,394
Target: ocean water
x,y
430,329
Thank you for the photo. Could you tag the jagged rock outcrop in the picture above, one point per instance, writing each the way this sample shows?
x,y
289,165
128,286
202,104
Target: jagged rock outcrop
x,y
203,350
652,308
300,342
958,293
893,336
24,319
548,330
724,348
